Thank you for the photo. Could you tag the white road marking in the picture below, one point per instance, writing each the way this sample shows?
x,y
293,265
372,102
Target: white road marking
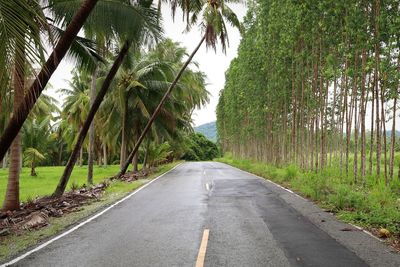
x,y
83,223
208,186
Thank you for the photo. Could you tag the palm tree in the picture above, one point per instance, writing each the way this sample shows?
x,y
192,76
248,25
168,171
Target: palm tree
x,y
15,32
23,22
138,88
27,101
36,136
76,105
144,29
214,14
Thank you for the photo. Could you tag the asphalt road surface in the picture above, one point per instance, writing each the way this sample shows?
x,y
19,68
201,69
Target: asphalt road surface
x,y
251,222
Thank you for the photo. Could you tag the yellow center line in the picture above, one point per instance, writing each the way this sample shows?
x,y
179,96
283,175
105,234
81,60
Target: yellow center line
x,y
203,247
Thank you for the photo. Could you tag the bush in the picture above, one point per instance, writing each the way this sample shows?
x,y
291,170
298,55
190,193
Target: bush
x,y
291,172
200,148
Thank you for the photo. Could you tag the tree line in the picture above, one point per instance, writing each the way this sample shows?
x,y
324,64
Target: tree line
x,y
316,84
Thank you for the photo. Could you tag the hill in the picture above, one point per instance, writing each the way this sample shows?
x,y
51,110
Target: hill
x,y
209,130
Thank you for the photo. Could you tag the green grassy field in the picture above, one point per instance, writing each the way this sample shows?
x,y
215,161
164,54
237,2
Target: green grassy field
x,y
375,205
47,178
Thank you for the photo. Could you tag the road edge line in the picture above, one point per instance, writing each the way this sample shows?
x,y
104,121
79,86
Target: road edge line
x,y
95,216
265,179
290,191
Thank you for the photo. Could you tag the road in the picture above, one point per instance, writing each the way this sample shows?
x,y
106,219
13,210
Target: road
x,y
251,222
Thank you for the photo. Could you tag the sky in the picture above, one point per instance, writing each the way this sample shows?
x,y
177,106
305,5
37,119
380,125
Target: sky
x,y
213,64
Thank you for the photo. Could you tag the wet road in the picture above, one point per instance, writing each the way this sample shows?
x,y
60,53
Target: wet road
x,y
251,223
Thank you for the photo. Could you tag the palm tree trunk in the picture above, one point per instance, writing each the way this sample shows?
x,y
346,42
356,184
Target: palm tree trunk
x,y
5,160
60,153
146,154
81,157
11,201
157,110
91,130
33,172
20,115
135,162
99,98
104,155
124,140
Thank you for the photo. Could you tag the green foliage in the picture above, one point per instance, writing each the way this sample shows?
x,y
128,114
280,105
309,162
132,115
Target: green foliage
x,y
291,172
158,153
200,148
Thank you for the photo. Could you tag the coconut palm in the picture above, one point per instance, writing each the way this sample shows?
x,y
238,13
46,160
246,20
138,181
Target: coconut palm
x,y
214,13
27,101
143,29
76,106
36,136
15,52
24,22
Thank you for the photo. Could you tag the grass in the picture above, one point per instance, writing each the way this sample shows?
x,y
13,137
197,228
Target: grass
x,y
14,244
47,179
373,206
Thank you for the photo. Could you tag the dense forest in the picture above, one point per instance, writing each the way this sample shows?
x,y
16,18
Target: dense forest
x,y
316,84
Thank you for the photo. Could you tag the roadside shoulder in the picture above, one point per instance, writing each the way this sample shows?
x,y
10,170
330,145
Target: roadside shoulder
x,y
369,248
36,240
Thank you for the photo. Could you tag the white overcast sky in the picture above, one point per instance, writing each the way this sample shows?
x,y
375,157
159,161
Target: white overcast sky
x,y
212,64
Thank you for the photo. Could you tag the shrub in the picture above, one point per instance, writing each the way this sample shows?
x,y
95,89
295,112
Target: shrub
x,y
291,172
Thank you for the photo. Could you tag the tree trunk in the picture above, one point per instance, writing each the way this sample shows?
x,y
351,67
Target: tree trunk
x,y
11,201
5,161
33,172
81,157
371,141
356,118
20,115
99,98
135,162
383,122
378,132
146,154
362,117
104,155
376,76
91,129
60,153
124,141
157,110
393,139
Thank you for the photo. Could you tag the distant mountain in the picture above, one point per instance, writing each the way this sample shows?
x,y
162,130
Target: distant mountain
x,y
209,130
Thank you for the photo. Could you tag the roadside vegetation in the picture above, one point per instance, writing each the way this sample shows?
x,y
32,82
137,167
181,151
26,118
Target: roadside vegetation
x,y
200,148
